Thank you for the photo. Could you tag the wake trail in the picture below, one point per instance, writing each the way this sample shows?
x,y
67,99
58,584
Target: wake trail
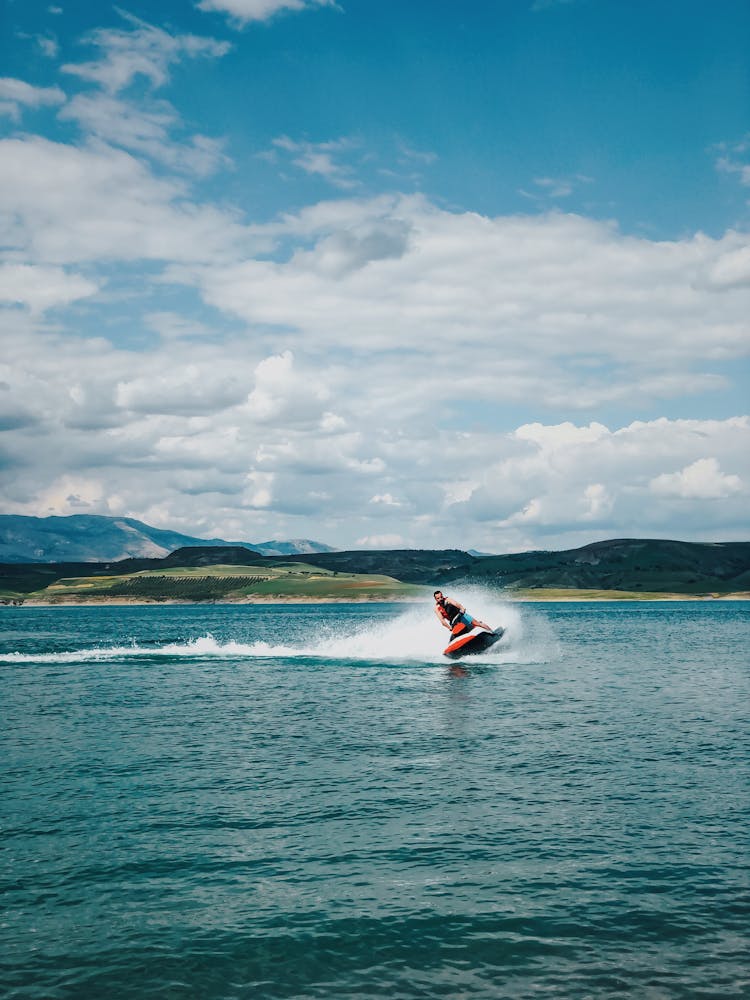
x,y
203,647
413,635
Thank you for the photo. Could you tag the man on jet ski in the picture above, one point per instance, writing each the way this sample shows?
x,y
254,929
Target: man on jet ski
x,y
449,612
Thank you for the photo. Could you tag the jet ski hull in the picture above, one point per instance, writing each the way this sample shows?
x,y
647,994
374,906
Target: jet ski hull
x,y
471,641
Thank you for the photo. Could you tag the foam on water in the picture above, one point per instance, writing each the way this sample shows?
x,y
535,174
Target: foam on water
x,y
414,634
410,635
203,647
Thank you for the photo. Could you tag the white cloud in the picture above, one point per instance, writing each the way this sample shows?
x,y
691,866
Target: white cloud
x,y
525,296
280,392
331,423
321,158
259,490
385,499
553,439
72,494
555,187
146,131
65,205
16,94
732,269
49,45
172,327
410,154
387,541
732,159
245,11
702,480
145,126
185,389
567,478
459,490
246,446
41,288
599,500
145,51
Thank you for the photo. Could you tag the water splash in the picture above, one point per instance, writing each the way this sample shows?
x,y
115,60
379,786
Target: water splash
x,y
203,647
415,634
412,634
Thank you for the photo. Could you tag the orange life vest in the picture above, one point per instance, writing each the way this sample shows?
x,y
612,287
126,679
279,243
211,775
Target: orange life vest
x,y
443,609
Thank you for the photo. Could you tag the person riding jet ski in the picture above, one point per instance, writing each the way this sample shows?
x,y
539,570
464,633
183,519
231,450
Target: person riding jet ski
x,y
469,636
450,612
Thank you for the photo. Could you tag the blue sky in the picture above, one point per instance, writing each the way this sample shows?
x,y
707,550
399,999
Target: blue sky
x,y
633,96
380,274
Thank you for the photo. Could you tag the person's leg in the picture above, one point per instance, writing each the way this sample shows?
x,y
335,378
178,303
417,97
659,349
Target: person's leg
x,y
475,623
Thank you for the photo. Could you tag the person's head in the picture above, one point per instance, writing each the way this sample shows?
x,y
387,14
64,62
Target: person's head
x,y
438,595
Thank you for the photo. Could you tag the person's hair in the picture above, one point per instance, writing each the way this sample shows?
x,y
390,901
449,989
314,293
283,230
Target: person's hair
x,y
436,592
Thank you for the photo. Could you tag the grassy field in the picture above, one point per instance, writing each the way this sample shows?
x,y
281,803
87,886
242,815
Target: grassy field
x,y
572,594
272,579
222,583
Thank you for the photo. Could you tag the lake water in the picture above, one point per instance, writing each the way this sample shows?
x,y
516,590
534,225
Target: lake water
x,y
308,801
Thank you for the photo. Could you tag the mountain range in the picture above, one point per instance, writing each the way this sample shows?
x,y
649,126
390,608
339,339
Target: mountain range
x,y
97,538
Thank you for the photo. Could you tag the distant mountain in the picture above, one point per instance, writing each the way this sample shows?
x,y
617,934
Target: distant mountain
x,y
97,538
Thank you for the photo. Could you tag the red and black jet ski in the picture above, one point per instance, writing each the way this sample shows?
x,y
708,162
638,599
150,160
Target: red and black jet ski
x,y
466,641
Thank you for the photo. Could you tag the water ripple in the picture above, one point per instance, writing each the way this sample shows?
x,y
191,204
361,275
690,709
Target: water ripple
x,y
189,811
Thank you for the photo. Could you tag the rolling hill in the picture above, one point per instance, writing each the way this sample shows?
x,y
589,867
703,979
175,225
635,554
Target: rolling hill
x,y
634,566
625,564
18,580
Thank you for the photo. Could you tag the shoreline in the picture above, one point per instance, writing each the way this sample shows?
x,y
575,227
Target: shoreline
x,y
145,602
536,598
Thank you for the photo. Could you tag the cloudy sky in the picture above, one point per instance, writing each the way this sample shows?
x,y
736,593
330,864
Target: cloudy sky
x,y
398,273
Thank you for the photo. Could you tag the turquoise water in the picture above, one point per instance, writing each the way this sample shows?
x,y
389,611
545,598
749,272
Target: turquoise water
x,y
296,801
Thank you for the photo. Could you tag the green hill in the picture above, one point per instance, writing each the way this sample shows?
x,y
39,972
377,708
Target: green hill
x,y
645,566
627,564
232,572
407,565
173,581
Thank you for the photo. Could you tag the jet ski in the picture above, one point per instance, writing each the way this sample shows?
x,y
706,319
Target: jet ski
x,y
466,641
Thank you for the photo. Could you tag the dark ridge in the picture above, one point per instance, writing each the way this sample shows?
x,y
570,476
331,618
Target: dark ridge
x,y
212,555
648,565
406,565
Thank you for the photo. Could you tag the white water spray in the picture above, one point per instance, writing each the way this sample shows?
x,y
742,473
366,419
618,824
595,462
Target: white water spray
x,y
411,635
